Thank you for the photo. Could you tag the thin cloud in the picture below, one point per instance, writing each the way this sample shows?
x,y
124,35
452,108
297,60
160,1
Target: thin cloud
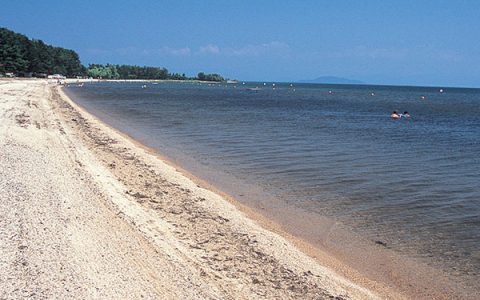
x,y
164,51
175,51
271,48
250,50
209,49
259,49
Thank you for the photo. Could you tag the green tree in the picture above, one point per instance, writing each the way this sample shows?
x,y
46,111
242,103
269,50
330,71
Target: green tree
x,y
209,77
21,55
13,52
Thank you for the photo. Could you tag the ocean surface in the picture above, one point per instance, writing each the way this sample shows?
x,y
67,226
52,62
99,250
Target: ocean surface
x,y
332,150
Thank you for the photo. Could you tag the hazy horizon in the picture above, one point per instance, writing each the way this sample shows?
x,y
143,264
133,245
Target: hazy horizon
x,y
406,43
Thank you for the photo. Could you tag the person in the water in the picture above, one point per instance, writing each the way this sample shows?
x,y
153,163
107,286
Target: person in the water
x,y
406,114
395,115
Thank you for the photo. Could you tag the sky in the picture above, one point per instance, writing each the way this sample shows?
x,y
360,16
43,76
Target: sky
x,y
379,42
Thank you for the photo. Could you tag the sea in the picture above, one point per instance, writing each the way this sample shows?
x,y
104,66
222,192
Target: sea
x,y
333,151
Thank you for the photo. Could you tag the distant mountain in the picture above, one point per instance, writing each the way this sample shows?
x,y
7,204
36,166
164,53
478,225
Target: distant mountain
x,y
332,80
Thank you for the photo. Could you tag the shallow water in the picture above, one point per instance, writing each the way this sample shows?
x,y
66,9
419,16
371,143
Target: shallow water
x,y
412,183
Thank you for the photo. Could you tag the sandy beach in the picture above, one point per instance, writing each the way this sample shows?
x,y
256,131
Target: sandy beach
x,y
86,212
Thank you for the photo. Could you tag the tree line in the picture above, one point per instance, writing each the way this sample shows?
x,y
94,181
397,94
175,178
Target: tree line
x,y
30,57
209,77
110,71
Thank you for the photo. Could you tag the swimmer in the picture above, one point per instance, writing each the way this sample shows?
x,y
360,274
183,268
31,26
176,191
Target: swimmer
x,y
406,114
395,115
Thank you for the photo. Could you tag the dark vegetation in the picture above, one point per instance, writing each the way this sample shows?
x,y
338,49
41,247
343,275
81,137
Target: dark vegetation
x,y
209,77
109,71
26,57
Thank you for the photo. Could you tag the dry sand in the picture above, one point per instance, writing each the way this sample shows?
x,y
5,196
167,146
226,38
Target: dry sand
x,y
86,212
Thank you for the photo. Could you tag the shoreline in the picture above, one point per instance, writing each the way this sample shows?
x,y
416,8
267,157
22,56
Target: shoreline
x,y
325,259
85,208
340,249
86,80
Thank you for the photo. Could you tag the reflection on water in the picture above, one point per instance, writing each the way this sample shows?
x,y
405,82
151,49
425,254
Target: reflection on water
x,y
413,183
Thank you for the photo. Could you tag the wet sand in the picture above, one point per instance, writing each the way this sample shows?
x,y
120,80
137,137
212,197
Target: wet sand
x,y
87,212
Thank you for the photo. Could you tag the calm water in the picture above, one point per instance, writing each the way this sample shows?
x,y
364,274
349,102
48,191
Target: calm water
x,y
414,183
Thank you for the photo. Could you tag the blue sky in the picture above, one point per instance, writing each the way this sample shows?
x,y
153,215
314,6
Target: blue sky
x,y
383,42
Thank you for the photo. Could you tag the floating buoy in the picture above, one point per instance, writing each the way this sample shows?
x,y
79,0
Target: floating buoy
x,y
441,90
